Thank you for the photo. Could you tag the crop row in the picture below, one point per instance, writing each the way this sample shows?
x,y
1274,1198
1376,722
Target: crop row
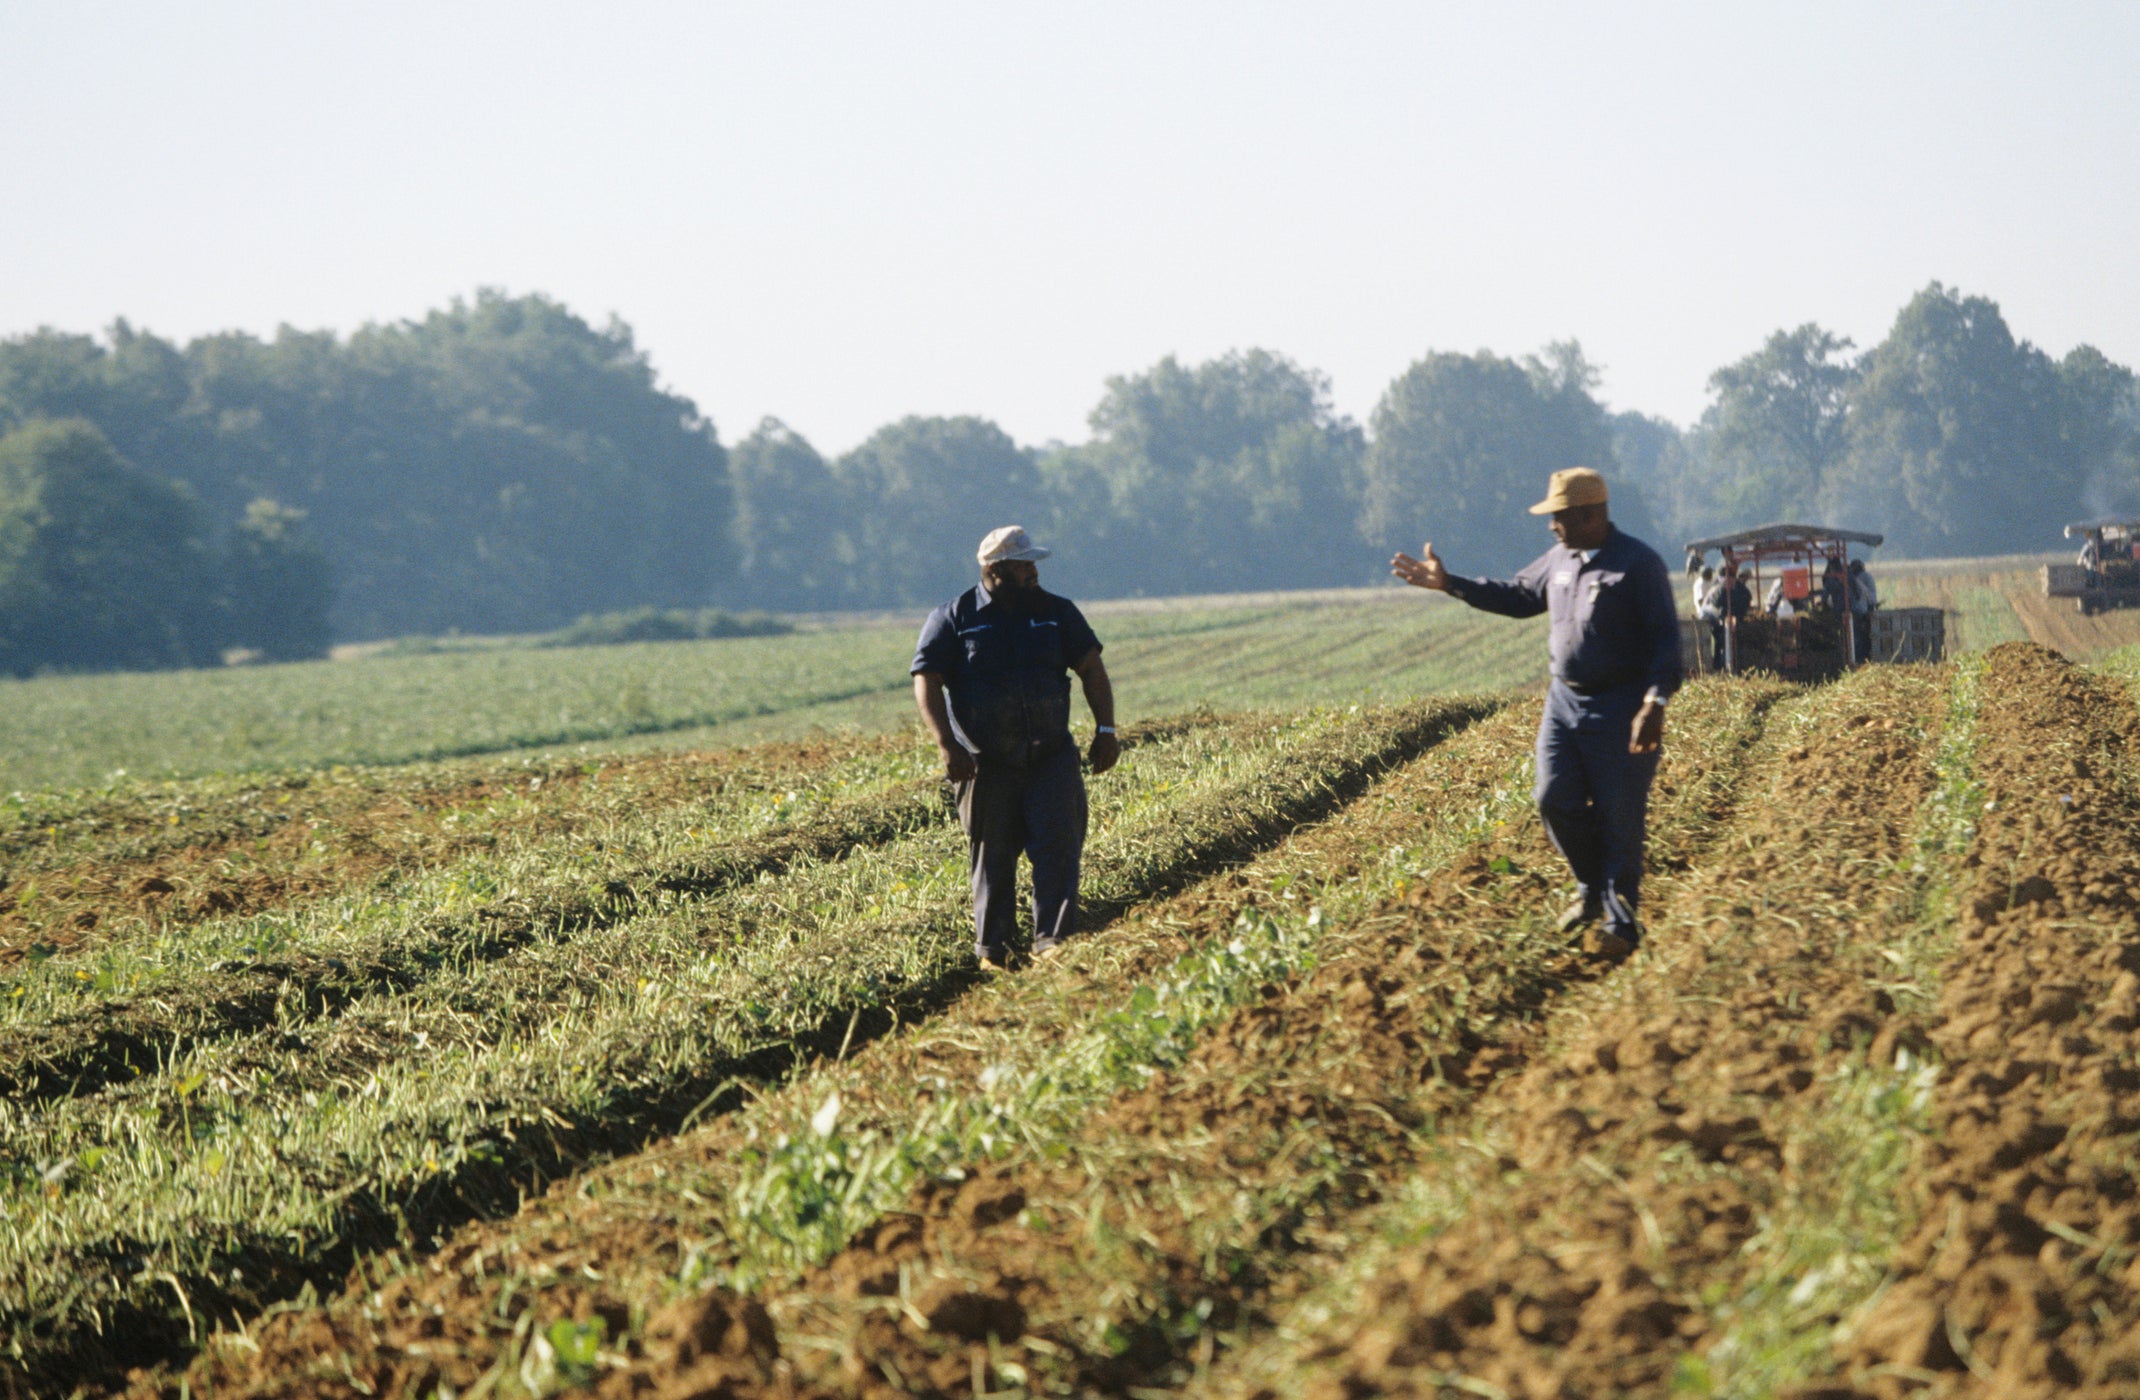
x,y
2011,1270
1162,1225
73,1023
147,862
244,1167
279,1098
1691,1179
1022,1078
739,1195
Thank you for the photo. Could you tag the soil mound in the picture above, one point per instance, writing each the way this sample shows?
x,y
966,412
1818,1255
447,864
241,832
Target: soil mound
x,y
2020,1280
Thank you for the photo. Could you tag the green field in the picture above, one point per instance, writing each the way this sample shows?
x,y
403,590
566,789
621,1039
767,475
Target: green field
x,y
82,731
345,1077
841,676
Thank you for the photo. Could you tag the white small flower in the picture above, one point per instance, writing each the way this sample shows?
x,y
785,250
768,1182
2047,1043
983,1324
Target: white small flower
x,y
828,1114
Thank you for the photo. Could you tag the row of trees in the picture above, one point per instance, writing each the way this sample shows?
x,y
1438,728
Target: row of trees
x,y
105,566
502,465
1951,436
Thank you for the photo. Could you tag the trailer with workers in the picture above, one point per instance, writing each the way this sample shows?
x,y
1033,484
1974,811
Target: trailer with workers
x,y
1791,600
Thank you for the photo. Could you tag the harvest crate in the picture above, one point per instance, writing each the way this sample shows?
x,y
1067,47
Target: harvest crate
x,y
1909,634
2064,580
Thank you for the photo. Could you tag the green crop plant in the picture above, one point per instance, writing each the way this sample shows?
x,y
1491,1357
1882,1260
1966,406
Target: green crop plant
x,y
86,1019
1821,1250
1497,970
309,1137
1167,656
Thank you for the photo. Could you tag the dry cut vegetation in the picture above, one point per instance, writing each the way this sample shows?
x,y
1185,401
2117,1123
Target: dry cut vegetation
x,y
264,1150
1322,1108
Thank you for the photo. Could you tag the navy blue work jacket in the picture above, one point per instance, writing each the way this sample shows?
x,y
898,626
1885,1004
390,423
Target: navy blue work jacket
x,y
1007,667
1615,623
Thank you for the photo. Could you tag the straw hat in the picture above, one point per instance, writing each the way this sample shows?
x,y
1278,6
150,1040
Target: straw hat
x,y
1577,486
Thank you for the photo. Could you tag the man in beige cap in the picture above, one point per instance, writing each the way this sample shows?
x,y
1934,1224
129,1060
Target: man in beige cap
x,y
1002,652
1616,662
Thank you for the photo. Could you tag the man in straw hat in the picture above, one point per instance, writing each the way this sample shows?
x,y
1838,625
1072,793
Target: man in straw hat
x,y
1002,652
1615,653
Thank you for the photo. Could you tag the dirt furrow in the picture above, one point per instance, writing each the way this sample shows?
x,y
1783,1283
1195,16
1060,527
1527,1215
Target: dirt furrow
x,y
1189,1209
2021,1279
179,855
613,1243
1172,1216
248,1270
1571,1226
79,1054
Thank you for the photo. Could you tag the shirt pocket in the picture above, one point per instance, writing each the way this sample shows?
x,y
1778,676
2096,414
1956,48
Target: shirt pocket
x,y
987,648
1038,642
1608,600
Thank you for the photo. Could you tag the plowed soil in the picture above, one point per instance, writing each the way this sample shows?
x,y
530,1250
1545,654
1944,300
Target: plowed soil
x,y
2021,1280
1613,1178
302,838
1605,1150
1175,1215
597,1246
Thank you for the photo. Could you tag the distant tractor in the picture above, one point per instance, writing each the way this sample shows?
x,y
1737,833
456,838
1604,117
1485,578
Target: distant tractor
x,y
2107,574
1797,618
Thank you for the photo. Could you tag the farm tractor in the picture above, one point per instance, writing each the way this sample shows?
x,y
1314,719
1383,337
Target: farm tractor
x,y
2107,574
1797,622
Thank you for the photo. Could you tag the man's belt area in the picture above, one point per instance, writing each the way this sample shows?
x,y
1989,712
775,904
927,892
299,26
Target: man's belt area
x,y
1592,692
1031,752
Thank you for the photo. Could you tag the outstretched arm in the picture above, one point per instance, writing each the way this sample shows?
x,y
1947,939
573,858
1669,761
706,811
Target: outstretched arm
x,y
1525,597
1100,696
1421,573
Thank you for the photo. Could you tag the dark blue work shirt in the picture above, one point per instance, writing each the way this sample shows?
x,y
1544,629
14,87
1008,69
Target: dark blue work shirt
x,y
1006,663
1615,625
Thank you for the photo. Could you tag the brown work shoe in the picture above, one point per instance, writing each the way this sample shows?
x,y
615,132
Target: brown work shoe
x,y
1580,913
1608,947
995,965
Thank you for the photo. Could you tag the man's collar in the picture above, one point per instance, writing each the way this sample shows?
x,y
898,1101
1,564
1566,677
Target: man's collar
x,y
1032,602
1612,532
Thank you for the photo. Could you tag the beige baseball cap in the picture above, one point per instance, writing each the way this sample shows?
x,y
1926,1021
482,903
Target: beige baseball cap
x,y
1009,542
1577,486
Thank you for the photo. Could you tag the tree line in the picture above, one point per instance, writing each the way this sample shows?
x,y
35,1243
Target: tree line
x,y
502,465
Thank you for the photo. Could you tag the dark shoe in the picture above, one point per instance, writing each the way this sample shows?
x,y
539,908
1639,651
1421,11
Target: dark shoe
x,y
1580,914
1609,947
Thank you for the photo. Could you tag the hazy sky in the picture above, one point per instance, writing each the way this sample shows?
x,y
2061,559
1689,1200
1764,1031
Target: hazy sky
x,y
841,214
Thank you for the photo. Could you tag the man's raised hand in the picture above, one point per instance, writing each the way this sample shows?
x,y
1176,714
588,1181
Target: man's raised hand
x,y
1421,573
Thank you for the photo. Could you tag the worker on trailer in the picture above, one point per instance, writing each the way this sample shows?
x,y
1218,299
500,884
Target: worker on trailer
x,y
1832,587
1615,653
1864,598
1002,652
1730,598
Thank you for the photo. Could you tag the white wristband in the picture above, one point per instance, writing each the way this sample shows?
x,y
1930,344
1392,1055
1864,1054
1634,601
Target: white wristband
x,y
1105,729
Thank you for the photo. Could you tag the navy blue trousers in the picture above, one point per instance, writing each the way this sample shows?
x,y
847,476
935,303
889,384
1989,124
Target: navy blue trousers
x,y
1037,810
1594,796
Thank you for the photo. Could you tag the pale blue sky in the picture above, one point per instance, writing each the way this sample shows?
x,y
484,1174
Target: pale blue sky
x,y
840,214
